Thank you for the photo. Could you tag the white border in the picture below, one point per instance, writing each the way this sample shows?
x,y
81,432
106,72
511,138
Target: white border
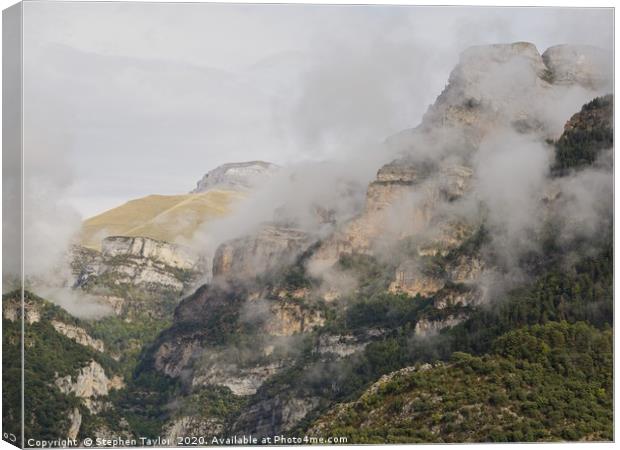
x,y
565,3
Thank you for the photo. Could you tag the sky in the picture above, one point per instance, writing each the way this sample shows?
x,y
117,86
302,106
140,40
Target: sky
x,y
123,100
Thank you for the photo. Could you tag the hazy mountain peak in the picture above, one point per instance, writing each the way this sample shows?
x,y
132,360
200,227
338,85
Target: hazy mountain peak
x,y
236,176
581,64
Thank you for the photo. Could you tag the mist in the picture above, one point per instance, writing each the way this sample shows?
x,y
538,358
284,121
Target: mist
x,y
105,111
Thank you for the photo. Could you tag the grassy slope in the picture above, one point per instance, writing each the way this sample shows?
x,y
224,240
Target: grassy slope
x,y
162,217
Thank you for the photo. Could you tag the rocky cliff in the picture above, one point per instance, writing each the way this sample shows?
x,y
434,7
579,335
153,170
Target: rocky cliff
x,y
128,271
408,199
236,176
78,335
90,384
271,248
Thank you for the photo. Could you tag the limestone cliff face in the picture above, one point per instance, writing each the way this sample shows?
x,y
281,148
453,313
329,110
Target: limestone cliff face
x,y
478,96
413,279
91,385
75,419
12,310
287,319
456,298
346,344
497,86
171,255
402,202
135,275
78,335
138,262
174,355
91,381
580,64
429,327
272,247
236,176
186,341
241,381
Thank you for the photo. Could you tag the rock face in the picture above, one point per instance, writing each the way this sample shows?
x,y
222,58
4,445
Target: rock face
x,y
75,417
272,247
90,382
428,327
91,385
287,319
12,310
408,194
136,261
78,334
241,381
187,339
137,247
412,281
477,101
236,176
346,345
580,64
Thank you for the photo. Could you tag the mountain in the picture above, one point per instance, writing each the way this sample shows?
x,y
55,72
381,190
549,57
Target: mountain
x,y
295,322
236,176
469,299
172,217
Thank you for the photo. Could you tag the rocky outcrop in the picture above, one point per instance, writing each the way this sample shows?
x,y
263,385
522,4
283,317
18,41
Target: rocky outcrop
x,y
397,205
164,253
287,318
12,310
185,341
456,297
402,202
346,344
75,421
78,335
90,383
241,381
411,280
174,356
237,176
477,98
427,327
271,248
446,236
578,64
137,261
466,268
